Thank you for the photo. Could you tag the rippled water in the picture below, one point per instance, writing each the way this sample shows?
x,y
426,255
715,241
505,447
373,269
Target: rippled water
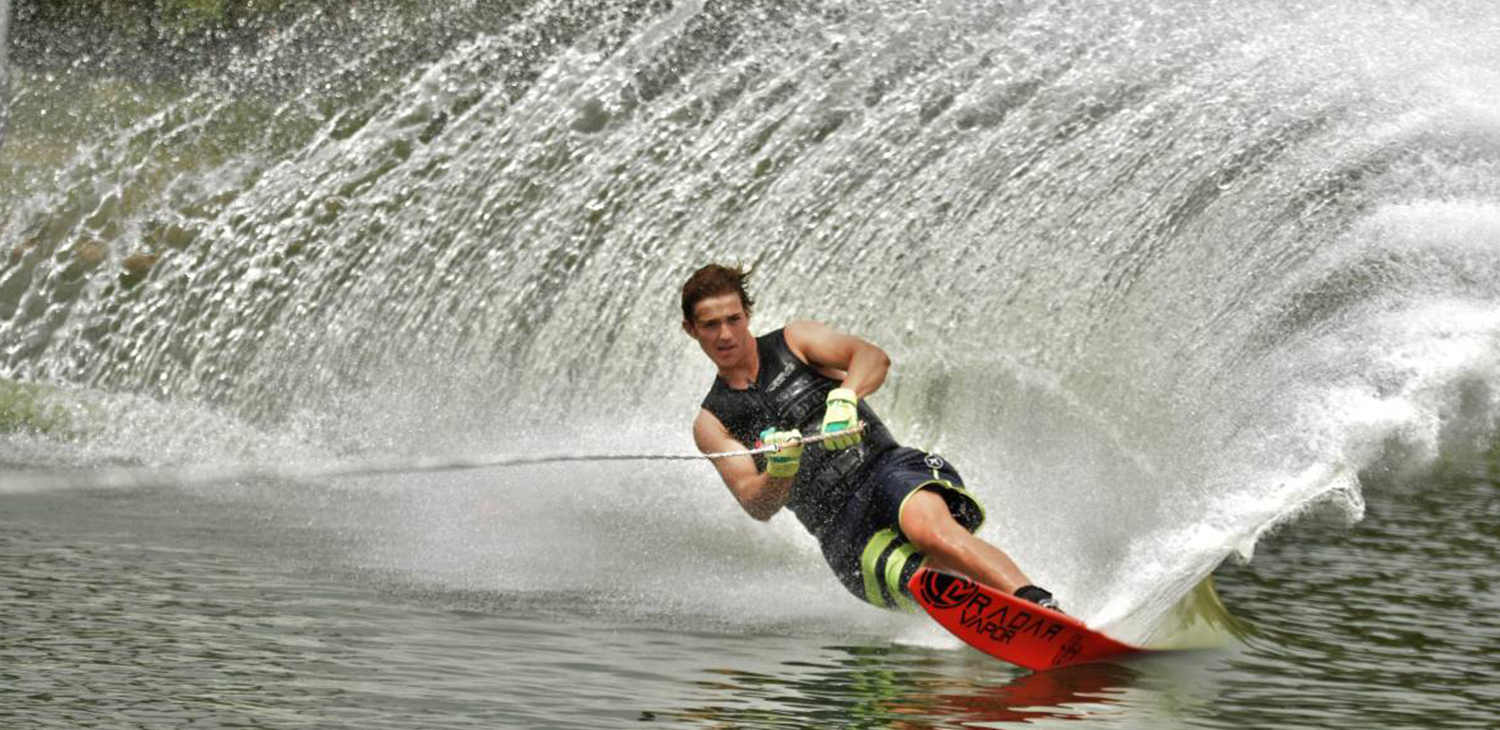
x,y
168,608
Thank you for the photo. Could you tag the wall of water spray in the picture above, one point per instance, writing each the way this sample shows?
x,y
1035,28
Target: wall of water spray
x,y
1159,276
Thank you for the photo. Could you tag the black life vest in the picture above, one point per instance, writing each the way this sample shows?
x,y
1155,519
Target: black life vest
x,y
787,394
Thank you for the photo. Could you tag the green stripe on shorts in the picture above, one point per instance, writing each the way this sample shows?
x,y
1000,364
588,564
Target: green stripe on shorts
x,y
868,562
895,565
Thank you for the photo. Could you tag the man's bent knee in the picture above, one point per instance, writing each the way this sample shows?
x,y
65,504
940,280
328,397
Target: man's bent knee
x,y
927,523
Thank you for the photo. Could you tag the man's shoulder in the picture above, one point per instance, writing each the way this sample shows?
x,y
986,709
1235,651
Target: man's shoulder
x,y
798,334
801,330
708,430
778,333
797,327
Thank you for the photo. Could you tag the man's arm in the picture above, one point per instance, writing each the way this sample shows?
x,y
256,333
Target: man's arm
x,y
760,494
861,365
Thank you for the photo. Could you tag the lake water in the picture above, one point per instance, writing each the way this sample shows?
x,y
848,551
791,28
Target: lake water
x,y
216,608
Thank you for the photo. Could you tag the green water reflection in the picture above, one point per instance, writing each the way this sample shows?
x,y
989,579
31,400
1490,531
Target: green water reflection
x,y
910,689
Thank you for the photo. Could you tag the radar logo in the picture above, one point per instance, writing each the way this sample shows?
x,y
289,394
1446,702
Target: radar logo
x,y
941,590
933,461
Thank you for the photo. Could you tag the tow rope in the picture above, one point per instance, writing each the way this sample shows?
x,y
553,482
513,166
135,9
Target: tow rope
x,y
141,477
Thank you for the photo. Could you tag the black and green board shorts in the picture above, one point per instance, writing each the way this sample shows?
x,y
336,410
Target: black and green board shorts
x,y
864,544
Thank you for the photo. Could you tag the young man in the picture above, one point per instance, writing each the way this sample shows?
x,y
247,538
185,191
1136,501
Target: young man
x,y
878,509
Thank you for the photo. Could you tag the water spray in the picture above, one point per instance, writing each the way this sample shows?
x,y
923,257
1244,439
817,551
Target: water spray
x,y
4,68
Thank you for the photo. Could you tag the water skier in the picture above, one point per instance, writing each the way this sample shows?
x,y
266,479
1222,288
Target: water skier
x,y
877,509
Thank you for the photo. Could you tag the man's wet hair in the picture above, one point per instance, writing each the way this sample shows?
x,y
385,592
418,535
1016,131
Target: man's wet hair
x,y
711,281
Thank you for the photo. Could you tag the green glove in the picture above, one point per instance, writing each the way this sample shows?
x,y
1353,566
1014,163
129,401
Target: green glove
x,y
785,460
842,415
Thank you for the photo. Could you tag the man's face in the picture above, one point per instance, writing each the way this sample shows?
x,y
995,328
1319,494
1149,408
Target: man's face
x,y
722,329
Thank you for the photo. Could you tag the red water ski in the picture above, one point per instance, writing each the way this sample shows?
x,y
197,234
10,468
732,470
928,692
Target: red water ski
x,y
1009,628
